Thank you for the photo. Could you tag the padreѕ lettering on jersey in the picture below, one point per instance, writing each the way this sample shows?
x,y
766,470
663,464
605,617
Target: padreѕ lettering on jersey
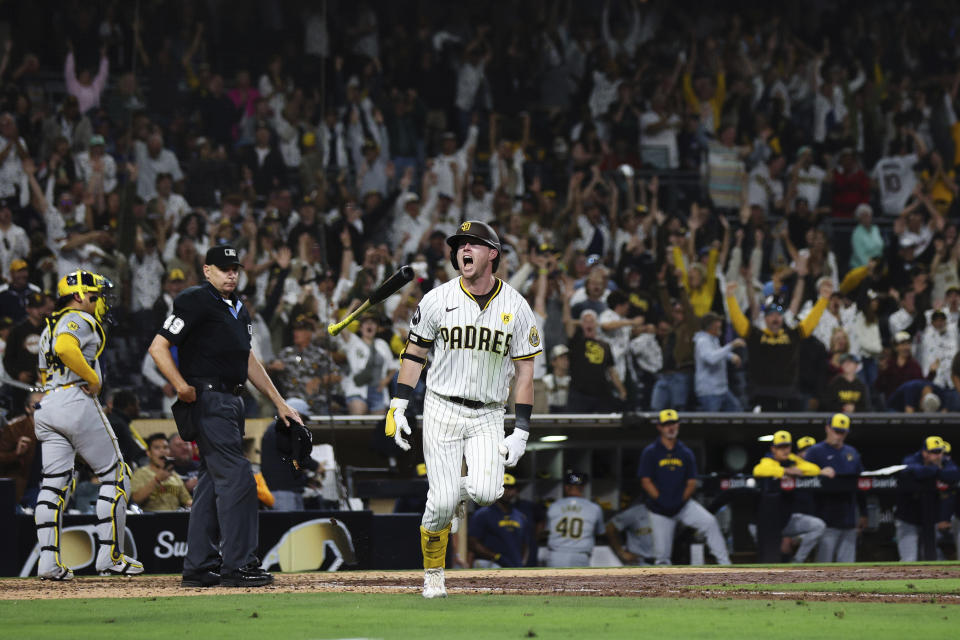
x,y
481,339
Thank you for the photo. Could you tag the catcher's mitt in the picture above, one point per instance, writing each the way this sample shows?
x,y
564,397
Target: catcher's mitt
x,y
294,442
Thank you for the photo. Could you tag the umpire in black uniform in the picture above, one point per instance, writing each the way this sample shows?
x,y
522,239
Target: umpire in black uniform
x,y
211,331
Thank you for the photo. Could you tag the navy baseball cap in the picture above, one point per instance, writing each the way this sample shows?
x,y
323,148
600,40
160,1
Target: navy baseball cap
x,y
576,478
773,304
222,256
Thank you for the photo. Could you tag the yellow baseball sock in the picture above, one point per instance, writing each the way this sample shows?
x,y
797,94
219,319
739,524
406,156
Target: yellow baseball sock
x,y
434,547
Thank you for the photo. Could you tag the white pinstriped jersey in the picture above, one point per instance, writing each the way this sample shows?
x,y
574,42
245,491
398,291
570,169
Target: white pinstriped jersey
x,y
474,348
573,524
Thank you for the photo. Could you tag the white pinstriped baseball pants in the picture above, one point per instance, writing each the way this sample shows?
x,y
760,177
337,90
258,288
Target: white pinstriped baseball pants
x,y
450,433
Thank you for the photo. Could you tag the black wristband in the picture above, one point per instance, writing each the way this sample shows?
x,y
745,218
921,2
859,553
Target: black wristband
x,y
404,391
523,413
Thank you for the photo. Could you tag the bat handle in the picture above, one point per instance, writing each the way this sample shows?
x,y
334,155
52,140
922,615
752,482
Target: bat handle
x,y
334,329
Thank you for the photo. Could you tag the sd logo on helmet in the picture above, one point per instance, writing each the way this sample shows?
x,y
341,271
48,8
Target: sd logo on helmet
x,y
474,230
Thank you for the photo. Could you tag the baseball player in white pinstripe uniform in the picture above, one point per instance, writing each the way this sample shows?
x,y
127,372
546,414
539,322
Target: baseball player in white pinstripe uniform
x,y
69,421
481,332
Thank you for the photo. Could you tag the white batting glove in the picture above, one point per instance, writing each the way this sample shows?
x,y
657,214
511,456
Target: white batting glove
x,y
513,447
397,426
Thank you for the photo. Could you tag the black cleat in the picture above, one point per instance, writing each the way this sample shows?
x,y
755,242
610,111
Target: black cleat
x,y
248,576
201,579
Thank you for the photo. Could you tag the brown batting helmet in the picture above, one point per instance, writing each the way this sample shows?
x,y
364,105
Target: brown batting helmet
x,y
474,230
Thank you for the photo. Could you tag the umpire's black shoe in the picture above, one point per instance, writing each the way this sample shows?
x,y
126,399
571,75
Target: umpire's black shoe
x,y
201,579
248,576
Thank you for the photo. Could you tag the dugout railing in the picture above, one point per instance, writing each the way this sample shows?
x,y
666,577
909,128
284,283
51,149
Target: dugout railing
x,y
726,446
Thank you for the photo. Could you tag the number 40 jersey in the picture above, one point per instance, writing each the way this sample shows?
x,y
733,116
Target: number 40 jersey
x,y
574,524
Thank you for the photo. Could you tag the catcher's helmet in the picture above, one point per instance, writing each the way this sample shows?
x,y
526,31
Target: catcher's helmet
x,y
474,230
576,478
83,282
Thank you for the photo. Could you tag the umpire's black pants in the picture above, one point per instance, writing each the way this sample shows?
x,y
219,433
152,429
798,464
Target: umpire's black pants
x,y
223,519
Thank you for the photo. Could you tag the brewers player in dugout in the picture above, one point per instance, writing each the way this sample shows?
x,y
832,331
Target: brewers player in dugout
x,y
70,421
793,523
839,510
481,332
668,474
574,524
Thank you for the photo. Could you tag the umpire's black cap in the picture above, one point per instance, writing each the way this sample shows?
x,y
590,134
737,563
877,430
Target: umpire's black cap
x,y
474,230
575,478
222,256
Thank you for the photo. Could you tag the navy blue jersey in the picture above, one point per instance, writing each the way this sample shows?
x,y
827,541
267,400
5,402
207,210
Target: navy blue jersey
x,y
838,510
213,335
908,507
503,533
669,470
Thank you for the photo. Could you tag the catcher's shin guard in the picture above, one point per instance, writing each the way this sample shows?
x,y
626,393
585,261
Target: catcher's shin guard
x,y
434,547
112,514
55,490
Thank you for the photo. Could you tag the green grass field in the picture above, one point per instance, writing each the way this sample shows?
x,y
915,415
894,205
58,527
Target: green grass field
x,y
345,615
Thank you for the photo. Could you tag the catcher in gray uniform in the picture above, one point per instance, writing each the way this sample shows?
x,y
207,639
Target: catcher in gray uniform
x,y
70,421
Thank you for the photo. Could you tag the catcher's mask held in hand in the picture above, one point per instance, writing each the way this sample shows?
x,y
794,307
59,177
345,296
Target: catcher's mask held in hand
x,y
294,443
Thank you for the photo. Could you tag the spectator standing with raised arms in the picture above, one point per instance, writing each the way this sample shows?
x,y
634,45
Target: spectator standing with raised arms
x,y
773,351
85,89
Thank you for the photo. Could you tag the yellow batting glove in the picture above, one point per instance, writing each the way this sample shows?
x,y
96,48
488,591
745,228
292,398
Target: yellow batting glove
x,y
396,425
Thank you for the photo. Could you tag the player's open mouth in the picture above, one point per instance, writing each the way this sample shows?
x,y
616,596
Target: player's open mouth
x,y
467,259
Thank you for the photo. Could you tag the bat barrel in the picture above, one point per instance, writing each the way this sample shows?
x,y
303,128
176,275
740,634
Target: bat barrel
x,y
386,289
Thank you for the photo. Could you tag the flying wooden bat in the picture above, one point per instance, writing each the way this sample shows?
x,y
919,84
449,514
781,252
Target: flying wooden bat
x,y
386,289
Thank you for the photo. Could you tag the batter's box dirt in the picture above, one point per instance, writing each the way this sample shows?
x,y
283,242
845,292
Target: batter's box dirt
x,y
672,582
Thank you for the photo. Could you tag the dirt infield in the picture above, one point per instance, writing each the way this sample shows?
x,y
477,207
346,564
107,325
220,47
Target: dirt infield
x,y
675,582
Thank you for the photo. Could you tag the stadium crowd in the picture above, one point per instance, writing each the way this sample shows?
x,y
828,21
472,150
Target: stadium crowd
x,y
707,209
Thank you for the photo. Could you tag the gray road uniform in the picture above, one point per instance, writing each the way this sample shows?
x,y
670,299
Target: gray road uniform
x,y
636,522
69,422
574,523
